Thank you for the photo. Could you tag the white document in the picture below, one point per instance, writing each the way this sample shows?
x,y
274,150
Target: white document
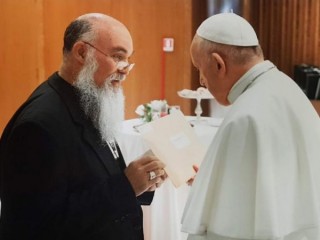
x,y
174,142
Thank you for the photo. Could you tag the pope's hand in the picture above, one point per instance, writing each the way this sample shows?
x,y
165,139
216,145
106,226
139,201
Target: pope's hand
x,y
190,181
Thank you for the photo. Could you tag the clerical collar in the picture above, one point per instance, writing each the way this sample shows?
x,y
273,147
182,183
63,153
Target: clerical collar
x,y
248,78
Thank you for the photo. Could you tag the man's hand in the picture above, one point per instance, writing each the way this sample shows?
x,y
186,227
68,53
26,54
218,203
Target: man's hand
x,y
158,184
138,174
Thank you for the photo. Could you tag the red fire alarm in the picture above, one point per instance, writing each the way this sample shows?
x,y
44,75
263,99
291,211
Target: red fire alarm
x,y
168,44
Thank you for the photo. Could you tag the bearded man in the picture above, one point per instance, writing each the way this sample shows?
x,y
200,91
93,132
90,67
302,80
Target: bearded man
x,y
62,172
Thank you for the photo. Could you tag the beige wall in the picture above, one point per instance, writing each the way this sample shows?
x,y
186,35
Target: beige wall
x,y
31,43
32,31
289,31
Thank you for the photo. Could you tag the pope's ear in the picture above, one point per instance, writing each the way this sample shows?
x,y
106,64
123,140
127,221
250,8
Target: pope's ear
x,y
220,64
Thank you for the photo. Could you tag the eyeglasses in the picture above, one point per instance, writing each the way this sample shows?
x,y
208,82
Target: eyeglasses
x,y
120,64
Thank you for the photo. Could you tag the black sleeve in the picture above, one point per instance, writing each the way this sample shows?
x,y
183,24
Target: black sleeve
x,y
38,201
146,198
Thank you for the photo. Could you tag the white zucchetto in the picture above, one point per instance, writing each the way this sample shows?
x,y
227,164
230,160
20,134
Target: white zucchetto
x,y
229,29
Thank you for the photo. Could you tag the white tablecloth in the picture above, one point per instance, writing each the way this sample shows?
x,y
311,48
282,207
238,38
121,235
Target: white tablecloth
x,y
162,218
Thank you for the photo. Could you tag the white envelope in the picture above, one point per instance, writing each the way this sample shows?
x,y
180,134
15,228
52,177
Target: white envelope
x,y
174,142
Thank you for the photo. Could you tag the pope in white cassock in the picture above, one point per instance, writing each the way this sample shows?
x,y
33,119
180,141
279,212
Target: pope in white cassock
x,y
260,178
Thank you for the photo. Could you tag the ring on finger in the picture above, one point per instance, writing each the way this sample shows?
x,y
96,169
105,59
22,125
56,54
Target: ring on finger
x,y
152,175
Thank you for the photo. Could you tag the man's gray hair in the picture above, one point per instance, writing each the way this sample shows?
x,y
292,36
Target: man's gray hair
x,y
79,29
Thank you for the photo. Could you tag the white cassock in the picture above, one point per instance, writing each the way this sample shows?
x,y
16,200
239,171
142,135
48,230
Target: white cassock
x,y
260,178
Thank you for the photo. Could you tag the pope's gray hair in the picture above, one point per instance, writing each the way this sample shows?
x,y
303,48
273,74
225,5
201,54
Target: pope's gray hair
x,y
235,54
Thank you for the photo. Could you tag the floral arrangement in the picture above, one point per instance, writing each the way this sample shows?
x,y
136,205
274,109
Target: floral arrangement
x,y
153,110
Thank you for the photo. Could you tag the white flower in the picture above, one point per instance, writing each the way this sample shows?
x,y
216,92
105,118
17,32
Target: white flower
x,y
140,110
158,105
153,110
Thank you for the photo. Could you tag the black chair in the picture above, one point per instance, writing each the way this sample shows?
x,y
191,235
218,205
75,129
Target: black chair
x,y
308,78
312,82
317,95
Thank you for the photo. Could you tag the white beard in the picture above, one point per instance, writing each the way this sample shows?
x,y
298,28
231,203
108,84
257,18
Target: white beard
x,y
104,106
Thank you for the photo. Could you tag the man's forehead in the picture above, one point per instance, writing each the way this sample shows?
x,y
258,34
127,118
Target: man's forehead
x,y
115,40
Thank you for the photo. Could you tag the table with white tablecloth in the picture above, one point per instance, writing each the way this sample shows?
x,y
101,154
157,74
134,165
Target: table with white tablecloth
x,y
162,218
